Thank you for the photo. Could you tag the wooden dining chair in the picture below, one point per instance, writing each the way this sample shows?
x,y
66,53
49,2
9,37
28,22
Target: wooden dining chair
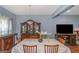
x,y
51,48
18,40
30,48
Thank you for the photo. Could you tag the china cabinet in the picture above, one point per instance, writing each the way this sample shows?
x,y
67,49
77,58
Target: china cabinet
x,y
29,29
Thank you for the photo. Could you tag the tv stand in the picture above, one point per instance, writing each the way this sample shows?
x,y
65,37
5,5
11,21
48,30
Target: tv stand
x,y
67,39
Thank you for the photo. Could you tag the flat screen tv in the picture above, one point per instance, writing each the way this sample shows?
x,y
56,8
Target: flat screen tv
x,y
64,28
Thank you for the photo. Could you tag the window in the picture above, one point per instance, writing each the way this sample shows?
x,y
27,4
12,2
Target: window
x,y
5,26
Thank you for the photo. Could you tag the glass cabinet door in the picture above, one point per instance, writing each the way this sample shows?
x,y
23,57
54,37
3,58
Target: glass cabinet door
x,y
24,28
30,26
37,27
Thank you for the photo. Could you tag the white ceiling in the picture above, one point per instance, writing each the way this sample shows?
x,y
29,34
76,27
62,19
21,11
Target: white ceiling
x,y
73,11
40,9
31,10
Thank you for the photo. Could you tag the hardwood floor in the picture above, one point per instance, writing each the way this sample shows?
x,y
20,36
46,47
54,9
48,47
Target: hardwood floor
x,y
74,49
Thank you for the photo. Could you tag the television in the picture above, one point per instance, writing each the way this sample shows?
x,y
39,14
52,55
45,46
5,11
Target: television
x,y
64,28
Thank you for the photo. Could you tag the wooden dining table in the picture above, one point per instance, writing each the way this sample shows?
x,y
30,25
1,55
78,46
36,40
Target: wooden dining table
x,y
40,45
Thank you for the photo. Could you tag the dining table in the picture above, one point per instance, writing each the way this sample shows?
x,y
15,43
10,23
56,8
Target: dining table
x,y
40,45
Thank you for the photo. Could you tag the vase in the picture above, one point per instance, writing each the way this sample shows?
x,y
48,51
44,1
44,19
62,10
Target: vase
x,y
40,40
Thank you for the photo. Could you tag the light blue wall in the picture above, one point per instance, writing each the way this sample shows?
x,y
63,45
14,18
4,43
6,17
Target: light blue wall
x,y
7,13
47,22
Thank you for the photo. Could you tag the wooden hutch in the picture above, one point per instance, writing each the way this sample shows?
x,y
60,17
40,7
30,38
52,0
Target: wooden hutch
x,y
29,29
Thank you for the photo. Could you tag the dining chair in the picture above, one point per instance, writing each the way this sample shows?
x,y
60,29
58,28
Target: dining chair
x,y
30,48
51,48
18,40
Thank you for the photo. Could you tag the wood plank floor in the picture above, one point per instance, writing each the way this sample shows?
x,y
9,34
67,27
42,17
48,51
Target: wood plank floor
x,y
74,49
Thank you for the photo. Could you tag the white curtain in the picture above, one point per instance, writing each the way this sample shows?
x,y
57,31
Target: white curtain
x,y
5,26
